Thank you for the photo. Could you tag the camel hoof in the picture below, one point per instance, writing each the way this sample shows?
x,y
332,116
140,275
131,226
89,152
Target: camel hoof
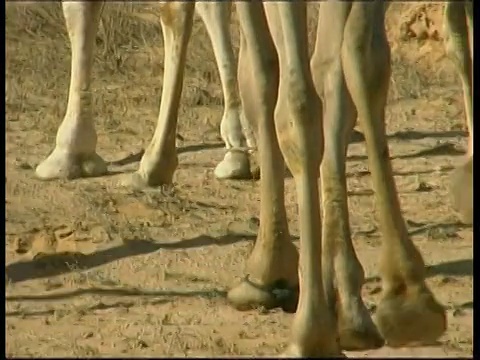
x,y
362,335
461,189
410,317
235,165
248,296
355,327
62,165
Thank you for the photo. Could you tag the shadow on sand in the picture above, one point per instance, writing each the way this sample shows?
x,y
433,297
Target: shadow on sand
x,y
62,263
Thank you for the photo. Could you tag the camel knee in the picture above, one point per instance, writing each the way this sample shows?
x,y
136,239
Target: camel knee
x,y
299,124
257,81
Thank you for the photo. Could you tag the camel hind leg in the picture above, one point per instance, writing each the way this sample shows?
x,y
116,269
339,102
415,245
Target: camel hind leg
x,y
458,32
74,155
298,122
272,267
343,275
160,161
408,312
235,165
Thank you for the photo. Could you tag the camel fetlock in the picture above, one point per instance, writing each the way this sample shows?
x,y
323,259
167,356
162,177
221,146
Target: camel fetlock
x,y
272,275
154,170
409,314
74,155
63,164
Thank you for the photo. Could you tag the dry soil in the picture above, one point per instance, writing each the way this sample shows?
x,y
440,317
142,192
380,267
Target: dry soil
x,y
95,270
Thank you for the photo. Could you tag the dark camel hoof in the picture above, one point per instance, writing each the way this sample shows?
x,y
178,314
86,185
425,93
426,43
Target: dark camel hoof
x,y
248,296
410,317
461,189
356,329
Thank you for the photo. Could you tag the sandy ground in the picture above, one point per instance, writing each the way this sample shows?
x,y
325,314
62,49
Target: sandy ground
x,y
145,273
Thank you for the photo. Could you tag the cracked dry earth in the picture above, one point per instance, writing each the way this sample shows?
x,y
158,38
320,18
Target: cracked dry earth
x,y
96,270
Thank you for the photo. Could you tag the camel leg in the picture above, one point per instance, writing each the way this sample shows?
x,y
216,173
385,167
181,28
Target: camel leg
x,y
273,263
160,160
408,311
249,119
74,155
216,17
298,120
458,30
343,275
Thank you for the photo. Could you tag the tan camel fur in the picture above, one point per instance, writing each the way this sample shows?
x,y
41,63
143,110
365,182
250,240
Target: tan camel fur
x,y
304,110
350,72
75,151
